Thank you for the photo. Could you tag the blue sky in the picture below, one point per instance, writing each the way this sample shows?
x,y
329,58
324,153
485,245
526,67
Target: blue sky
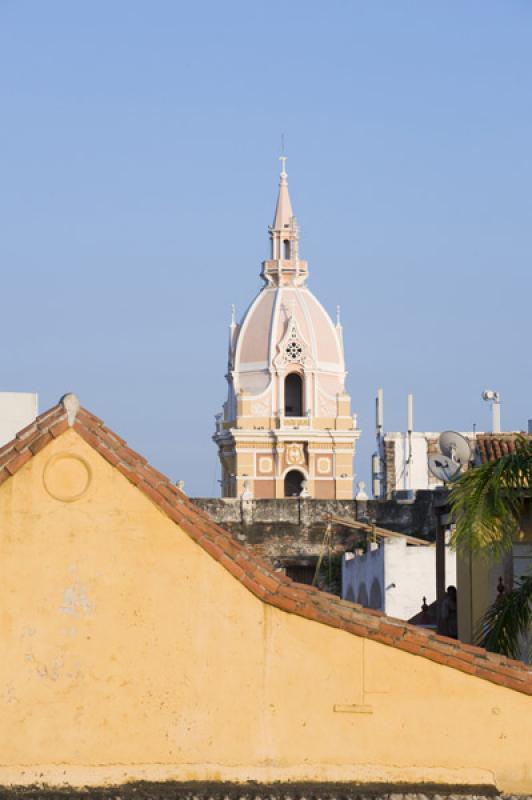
x,y
138,173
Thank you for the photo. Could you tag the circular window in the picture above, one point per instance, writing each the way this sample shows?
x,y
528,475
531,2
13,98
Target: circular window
x,y
294,351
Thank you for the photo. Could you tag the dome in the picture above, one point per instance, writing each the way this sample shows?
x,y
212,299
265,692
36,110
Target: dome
x,y
289,325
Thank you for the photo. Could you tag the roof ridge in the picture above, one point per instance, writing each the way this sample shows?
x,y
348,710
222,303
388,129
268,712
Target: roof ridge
x,y
31,439
254,573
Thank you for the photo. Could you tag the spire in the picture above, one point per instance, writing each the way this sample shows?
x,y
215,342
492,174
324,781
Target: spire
x,y
283,211
284,267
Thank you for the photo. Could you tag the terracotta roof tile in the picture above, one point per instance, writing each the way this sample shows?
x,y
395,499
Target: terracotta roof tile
x,y
257,575
491,446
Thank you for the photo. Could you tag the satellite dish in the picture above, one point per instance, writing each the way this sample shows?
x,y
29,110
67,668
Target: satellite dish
x,y
443,467
454,446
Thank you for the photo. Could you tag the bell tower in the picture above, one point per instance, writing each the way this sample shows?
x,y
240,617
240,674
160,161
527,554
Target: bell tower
x,y
286,429
284,267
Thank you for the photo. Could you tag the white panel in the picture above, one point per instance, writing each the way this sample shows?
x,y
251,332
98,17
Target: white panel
x,y
17,409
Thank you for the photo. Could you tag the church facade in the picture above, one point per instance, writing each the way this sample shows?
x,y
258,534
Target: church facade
x,y
286,429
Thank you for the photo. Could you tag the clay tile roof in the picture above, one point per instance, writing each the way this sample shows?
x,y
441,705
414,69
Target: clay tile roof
x,y
491,446
257,575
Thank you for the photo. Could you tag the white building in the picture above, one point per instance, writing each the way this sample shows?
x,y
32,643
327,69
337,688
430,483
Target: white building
x,y
17,409
404,459
394,576
401,462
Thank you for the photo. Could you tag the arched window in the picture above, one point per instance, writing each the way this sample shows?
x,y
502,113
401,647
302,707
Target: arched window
x,y
293,483
286,249
362,595
293,395
375,596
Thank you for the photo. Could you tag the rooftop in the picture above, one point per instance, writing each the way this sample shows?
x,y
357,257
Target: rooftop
x,y
256,575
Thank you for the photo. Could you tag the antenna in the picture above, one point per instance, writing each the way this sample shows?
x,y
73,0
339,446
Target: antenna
x,y
443,467
409,428
410,413
377,463
379,412
455,454
456,447
495,399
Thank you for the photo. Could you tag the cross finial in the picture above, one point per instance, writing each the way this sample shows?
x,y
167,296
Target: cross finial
x,y
283,160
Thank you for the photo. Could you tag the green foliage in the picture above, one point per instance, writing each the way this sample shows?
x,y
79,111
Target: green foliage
x,y
507,620
487,501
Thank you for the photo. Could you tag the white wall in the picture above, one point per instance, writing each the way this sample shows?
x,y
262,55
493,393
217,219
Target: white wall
x,y
17,409
360,574
419,473
403,573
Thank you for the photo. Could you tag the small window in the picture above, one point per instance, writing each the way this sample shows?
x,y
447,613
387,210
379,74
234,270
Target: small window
x,y
286,249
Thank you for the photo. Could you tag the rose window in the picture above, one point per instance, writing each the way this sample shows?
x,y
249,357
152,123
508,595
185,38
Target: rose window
x,y
294,351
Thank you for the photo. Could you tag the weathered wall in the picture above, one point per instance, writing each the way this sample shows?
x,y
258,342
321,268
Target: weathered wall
x,y
398,574
170,790
129,653
290,530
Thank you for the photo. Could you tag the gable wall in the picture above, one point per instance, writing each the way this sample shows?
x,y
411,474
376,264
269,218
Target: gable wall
x,y
128,652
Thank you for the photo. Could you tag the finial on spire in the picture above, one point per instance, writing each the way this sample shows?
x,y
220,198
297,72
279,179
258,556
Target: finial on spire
x,y
283,159
338,323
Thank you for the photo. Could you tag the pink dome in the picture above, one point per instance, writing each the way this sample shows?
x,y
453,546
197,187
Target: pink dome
x,y
264,328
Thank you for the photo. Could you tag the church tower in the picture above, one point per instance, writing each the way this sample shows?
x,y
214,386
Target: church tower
x,y
286,429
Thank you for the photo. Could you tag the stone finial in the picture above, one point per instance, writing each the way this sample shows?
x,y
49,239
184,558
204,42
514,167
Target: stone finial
x,y
247,493
181,486
71,404
304,489
361,495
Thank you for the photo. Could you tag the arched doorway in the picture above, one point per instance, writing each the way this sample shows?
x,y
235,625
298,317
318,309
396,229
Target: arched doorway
x,y
293,395
292,483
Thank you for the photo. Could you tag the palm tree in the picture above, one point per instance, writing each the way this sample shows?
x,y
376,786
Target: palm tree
x,y
487,503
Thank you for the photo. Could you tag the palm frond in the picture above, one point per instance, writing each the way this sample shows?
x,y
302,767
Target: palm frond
x,y
504,624
487,501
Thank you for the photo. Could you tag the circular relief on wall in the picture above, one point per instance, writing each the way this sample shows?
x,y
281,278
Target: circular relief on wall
x,y
66,477
323,465
265,464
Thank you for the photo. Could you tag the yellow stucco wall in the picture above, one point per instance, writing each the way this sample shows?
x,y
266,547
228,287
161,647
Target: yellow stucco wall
x,y
128,652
